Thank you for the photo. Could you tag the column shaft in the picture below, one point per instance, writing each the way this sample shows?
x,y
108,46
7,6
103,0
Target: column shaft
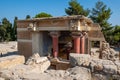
x,y
83,44
55,36
76,37
55,46
77,44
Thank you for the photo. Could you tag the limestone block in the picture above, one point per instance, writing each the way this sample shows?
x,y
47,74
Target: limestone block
x,y
40,63
118,72
80,73
97,76
111,69
97,64
25,69
117,63
109,53
41,59
8,75
115,77
40,67
11,61
33,59
79,59
2,78
21,71
95,67
44,66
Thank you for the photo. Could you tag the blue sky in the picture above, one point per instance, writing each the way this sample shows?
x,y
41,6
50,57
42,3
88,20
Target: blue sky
x,y
21,8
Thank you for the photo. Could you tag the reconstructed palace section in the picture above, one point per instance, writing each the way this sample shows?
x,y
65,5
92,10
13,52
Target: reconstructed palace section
x,y
57,36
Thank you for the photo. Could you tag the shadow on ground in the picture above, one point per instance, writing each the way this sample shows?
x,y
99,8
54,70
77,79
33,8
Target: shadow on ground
x,y
9,54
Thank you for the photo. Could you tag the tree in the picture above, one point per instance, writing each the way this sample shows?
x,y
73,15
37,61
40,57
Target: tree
x,y
28,17
2,33
7,27
116,34
43,14
14,29
76,9
101,14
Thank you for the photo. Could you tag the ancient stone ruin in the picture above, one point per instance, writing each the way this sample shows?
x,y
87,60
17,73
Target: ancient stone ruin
x,y
109,53
49,36
60,48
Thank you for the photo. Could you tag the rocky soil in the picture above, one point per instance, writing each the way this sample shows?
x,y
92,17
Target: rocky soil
x,y
8,48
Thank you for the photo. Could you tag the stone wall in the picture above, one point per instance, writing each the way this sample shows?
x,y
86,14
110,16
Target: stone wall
x,y
24,38
25,48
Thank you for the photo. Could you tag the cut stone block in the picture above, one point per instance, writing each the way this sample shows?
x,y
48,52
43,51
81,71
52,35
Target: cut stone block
x,y
80,59
11,61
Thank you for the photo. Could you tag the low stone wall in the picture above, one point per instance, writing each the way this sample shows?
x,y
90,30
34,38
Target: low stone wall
x,y
11,61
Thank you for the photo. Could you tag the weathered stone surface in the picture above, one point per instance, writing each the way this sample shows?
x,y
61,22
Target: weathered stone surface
x,y
79,59
99,65
42,63
115,77
25,72
57,73
2,78
97,76
33,59
11,61
117,63
111,69
80,73
8,75
109,53
95,53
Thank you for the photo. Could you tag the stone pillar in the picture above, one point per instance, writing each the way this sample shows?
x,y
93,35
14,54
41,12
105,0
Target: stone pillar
x,y
83,42
37,43
55,36
76,37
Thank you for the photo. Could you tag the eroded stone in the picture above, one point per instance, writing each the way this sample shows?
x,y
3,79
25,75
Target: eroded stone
x,y
80,59
11,61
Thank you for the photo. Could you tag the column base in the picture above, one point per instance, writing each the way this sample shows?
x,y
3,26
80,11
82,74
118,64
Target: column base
x,y
55,60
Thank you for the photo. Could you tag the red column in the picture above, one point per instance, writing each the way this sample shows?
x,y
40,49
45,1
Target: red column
x,y
55,36
83,44
55,46
76,38
77,44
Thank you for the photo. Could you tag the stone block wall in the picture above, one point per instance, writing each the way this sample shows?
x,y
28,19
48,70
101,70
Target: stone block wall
x,y
24,38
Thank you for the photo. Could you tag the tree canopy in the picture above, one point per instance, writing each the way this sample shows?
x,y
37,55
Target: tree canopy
x,y
43,14
5,30
14,29
76,9
101,14
116,34
28,17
